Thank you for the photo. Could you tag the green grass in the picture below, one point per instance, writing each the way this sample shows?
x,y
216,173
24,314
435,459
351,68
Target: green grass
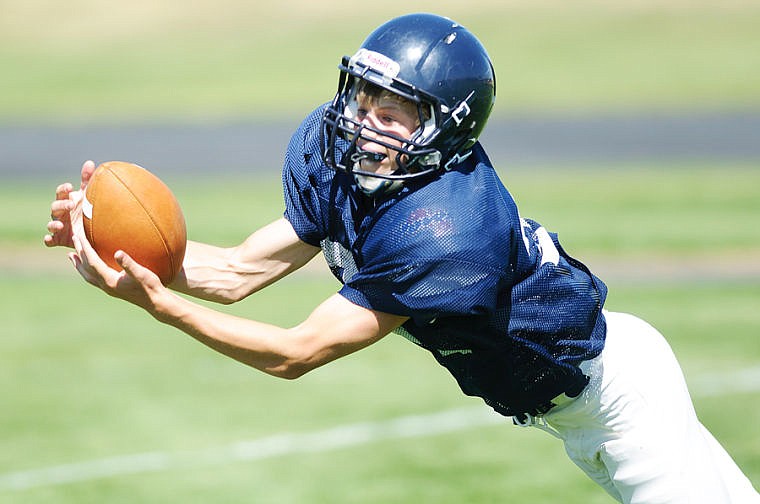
x,y
85,377
657,208
102,379
217,60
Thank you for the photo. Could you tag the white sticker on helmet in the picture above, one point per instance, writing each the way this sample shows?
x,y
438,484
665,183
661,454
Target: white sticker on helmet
x,y
376,61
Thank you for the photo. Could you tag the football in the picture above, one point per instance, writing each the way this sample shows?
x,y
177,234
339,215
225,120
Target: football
x,y
126,207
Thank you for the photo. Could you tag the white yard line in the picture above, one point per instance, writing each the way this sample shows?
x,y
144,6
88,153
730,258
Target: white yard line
x,y
415,426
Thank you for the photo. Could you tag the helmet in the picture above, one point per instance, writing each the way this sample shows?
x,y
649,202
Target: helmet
x,y
434,63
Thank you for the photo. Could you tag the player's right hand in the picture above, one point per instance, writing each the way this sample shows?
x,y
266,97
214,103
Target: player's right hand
x,y
65,210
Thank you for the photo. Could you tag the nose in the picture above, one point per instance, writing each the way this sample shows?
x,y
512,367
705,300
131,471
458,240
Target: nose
x,y
366,131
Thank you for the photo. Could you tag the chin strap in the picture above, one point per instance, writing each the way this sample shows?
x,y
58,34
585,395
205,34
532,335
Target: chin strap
x,y
374,186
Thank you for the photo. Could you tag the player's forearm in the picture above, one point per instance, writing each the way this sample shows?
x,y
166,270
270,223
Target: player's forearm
x,y
268,348
229,274
334,329
222,275
208,273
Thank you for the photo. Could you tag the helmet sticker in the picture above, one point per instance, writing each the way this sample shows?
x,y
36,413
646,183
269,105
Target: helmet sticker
x,y
377,62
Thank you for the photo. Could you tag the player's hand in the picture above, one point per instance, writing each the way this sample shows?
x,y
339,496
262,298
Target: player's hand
x,y
135,284
66,210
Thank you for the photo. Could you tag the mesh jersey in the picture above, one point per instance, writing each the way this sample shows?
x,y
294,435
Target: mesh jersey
x,y
492,296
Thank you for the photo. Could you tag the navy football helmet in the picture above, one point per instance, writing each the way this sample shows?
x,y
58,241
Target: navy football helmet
x,y
436,64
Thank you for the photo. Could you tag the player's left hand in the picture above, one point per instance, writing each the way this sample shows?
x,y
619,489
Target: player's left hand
x,y
66,210
135,284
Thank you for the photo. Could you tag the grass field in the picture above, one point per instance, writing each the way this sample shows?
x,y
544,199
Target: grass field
x,y
102,404
85,378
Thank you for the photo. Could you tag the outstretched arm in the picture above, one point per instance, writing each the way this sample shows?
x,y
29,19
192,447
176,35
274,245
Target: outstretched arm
x,y
227,275
335,328
213,273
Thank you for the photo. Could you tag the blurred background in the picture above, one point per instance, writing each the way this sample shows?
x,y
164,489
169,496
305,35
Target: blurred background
x,y
220,85
632,128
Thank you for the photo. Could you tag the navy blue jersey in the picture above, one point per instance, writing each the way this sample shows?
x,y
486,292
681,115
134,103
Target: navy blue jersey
x,y
491,295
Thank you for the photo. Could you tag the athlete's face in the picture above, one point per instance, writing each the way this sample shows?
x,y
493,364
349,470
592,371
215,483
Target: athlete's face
x,y
389,116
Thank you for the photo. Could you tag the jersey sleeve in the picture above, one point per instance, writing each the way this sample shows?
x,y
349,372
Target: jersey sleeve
x,y
301,178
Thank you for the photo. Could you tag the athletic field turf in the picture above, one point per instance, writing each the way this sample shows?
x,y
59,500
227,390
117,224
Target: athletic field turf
x,y
102,404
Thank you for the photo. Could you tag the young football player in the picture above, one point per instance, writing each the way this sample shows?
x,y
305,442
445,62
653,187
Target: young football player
x,y
390,183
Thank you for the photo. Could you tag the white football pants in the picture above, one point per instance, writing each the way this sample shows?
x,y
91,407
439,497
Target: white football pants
x,y
634,430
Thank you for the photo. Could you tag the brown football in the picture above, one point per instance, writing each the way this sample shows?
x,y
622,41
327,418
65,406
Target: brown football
x,y
128,208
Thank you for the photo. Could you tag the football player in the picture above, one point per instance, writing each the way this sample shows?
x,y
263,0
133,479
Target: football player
x,y
390,183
